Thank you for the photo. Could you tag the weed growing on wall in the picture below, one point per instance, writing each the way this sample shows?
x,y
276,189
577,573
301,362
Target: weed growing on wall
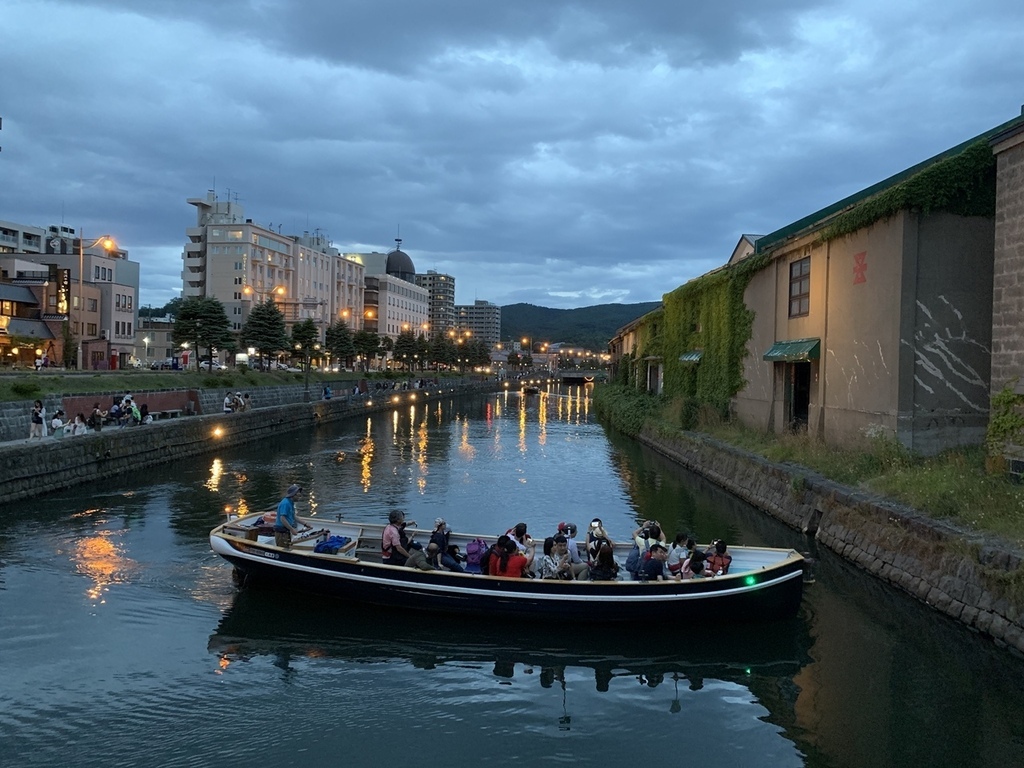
x,y
964,184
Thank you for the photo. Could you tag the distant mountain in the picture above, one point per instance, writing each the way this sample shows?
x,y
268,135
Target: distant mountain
x,y
589,327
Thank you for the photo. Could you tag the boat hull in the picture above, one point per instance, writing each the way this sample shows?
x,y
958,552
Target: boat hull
x,y
769,593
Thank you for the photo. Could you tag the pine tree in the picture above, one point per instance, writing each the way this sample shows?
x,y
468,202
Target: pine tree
x,y
265,330
202,321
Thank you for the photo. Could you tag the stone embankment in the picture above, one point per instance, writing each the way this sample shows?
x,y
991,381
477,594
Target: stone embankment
x,y
972,578
40,466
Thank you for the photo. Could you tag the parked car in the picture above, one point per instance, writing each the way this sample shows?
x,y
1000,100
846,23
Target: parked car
x,y
162,365
208,365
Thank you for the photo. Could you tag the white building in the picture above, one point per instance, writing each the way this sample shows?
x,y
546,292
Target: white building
x,y
240,263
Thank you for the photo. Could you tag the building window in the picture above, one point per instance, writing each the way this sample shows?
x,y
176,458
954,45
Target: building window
x,y
800,287
90,329
90,304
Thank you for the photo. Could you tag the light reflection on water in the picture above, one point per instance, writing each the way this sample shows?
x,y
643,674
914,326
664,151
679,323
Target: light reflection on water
x,y
175,667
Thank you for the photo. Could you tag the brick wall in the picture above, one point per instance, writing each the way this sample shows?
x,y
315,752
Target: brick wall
x,y
1008,280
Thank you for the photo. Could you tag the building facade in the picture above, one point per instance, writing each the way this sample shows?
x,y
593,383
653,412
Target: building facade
x,y
241,263
482,319
441,300
96,290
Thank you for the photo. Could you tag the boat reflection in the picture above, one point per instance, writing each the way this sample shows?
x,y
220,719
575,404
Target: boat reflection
x,y
286,626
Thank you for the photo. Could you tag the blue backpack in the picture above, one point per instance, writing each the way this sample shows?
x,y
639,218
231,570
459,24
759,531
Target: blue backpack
x,y
635,559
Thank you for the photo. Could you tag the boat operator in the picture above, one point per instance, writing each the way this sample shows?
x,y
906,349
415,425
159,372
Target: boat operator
x,y
286,525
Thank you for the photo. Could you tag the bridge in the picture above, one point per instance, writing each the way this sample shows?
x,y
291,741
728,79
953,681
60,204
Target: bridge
x,y
579,377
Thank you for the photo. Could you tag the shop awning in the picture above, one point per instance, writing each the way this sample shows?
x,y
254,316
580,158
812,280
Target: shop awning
x,y
794,351
693,356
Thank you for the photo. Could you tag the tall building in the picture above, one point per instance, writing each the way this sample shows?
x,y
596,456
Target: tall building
x,y
441,301
94,289
482,319
241,263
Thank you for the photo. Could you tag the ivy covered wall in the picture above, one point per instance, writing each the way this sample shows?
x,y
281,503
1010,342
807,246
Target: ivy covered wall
x,y
706,314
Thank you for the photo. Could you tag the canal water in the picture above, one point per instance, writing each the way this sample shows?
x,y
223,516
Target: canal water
x,y
124,642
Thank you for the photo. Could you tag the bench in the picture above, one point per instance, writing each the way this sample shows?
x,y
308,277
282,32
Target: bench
x,y
170,413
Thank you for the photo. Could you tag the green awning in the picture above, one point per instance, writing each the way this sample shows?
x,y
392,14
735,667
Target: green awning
x,y
693,356
794,351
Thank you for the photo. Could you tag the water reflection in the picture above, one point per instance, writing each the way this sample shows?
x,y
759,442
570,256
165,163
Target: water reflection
x,y
285,627
100,559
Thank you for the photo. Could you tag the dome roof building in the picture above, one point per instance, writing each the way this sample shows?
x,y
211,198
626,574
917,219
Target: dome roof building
x,y
400,265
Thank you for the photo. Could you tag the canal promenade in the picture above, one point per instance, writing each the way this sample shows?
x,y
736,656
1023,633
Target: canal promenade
x,y
30,468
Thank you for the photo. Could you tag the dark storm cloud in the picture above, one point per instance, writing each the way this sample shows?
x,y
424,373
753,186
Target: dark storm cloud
x,y
563,153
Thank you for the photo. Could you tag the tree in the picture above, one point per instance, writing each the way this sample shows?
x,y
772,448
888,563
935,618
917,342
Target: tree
x,y
305,334
340,343
442,351
406,347
265,329
478,354
367,343
202,321
69,345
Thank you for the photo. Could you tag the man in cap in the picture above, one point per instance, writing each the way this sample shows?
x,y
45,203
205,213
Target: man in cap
x,y
236,403
286,525
440,538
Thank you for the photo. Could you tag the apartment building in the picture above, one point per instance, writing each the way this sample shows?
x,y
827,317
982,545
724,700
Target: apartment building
x,y
440,300
241,263
482,319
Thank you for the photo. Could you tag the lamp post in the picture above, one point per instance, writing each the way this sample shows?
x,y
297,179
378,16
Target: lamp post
x,y
305,351
108,245
145,340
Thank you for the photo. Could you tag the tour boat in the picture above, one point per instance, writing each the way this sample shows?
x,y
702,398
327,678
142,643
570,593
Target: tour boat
x,y
762,583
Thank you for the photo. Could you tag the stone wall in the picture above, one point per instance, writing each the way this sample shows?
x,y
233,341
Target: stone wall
x,y
51,464
975,579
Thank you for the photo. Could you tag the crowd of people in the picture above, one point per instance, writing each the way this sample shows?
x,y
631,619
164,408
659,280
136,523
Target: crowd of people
x,y
562,557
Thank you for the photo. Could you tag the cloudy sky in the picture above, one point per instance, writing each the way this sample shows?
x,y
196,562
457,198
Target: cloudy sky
x,y
560,153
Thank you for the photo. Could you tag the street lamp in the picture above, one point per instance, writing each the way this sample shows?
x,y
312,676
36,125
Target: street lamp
x,y
145,340
277,290
305,350
108,244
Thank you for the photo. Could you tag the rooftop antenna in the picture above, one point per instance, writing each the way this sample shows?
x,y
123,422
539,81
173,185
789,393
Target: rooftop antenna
x,y
398,240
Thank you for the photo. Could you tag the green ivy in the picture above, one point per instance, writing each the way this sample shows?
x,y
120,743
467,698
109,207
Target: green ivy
x,y
1005,423
963,184
709,314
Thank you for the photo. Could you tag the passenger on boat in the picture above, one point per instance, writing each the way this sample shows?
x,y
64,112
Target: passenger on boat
x,y
682,548
492,552
555,562
694,568
286,525
596,537
579,567
717,559
519,535
510,561
424,560
649,533
394,543
440,538
604,568
654,568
